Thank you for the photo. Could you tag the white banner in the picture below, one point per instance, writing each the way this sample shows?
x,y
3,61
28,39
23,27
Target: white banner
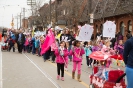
x,y
109,29
58,28
38,33
85,33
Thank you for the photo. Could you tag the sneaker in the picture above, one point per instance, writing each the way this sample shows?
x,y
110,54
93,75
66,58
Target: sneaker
x,y
62,78
58,77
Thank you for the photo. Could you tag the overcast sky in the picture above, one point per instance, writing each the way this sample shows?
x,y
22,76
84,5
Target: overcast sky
x,y
12,7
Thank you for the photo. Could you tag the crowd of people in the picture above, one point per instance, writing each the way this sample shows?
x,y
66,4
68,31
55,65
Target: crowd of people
x,y
66,49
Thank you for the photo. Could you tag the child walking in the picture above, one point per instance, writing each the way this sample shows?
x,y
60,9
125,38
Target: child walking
x,y
88,51
61,59
77,53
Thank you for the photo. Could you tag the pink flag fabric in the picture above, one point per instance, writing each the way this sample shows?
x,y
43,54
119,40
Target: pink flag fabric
x,y
98,55
48,41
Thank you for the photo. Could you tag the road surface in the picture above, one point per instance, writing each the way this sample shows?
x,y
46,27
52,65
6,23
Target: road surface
x,y
30,71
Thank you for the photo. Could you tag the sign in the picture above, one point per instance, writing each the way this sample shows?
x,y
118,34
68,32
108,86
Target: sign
x,y
58,28
85,33
109,29
38,33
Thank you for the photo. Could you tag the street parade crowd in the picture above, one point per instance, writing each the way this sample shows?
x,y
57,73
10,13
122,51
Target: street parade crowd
x,y
65,49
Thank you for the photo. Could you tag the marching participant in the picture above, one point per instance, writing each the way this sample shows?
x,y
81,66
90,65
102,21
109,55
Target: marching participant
x,y
77,53
61,59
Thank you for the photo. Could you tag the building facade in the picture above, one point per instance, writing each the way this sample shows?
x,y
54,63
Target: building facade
x,y
119,11
25,23
71,12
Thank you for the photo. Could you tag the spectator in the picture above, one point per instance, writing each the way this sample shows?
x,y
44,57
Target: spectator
x,y
128,59
119,36
20,41
129,35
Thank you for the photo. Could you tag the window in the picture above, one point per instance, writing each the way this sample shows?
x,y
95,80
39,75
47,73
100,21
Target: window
x,y
122,28
129,25
98,9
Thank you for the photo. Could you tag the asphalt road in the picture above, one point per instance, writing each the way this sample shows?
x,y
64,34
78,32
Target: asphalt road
x,y
29,71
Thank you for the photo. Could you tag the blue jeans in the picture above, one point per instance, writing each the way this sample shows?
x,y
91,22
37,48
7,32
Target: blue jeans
x,y
33,49
129,74
39,52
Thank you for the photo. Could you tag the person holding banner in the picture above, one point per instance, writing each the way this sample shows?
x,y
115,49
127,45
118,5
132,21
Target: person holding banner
x,y
61,59
77,53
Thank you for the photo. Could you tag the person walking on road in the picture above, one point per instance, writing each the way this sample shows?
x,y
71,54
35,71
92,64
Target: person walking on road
x,y
128,59
77,53
61,59
20,41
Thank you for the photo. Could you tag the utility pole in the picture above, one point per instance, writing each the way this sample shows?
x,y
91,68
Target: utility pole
x,y
31,3
24,17
20,20
17,17
50,11
17,21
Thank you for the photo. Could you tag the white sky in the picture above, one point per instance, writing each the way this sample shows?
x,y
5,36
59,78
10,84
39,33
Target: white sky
x,y
9,8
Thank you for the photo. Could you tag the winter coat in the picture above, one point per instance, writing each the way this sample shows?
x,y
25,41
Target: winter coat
x,y
37,43
11,42
95,48
61,59
22,40
119,49
26,42
77,53
88,50
67,38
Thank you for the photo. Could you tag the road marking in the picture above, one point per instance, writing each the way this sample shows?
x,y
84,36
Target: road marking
x,y
1,80
69,74
44,73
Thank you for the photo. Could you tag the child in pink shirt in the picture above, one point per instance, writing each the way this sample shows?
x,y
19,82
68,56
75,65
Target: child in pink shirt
x,y
77,53
61,59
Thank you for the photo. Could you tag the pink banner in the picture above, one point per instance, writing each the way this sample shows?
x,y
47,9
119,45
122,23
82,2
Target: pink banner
x,y
48,41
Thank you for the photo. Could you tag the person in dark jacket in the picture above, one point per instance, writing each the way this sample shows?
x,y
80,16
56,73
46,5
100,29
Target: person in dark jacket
x,y
69,38
129,35
128,59
11,43
62,35
20,41
119,36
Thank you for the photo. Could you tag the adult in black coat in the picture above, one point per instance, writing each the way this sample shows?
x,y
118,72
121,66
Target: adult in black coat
x,y
20,39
